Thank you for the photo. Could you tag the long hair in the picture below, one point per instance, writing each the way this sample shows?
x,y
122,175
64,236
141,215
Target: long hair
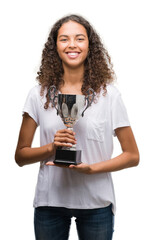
x,y
98,69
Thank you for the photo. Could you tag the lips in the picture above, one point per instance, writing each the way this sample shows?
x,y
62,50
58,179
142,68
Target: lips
x,y
73,54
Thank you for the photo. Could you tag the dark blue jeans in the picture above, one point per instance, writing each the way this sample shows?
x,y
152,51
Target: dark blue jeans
x,y
53,223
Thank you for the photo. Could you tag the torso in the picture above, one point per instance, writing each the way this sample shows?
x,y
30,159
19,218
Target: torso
x,y
94,131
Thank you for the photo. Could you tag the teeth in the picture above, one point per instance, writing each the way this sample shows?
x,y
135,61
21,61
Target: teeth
x,y
72,54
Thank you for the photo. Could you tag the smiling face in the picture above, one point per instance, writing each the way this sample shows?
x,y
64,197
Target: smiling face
x,y
72,44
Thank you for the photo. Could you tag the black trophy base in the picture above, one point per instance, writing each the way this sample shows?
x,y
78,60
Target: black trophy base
x,y
67,157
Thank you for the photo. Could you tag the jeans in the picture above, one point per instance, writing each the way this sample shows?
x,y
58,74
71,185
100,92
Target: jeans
x,y
53,223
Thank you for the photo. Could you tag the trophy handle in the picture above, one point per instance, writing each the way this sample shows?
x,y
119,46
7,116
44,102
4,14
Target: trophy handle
x,y
53,96
89,98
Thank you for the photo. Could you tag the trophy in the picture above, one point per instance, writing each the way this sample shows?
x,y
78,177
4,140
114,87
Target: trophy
x,y
70,108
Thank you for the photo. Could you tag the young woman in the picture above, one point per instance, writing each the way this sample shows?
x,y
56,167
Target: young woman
x,y
73,60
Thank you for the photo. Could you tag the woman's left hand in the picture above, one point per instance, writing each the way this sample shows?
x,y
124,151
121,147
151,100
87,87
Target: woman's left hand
x,y
82,167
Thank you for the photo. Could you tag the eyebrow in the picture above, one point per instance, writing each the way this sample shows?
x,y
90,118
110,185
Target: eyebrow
x,y
77,35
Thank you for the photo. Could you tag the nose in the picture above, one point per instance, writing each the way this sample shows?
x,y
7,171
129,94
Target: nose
x,y
72,43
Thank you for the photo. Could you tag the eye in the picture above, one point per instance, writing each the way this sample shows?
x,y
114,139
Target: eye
x,y
80,39
63,39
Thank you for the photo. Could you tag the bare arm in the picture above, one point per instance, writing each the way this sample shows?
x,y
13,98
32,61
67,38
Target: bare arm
x,y
25,154
128,158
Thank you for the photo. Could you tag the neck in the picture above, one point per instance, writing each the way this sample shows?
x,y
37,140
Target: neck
x,y
73,76
73,80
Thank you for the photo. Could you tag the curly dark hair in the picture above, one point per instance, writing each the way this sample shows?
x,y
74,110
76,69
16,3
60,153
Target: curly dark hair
x,y
98,71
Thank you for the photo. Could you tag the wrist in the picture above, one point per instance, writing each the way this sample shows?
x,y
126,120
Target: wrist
x,y
51,149
91,169
96,168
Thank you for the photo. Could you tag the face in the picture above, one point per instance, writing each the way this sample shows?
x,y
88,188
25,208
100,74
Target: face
x,y
72,44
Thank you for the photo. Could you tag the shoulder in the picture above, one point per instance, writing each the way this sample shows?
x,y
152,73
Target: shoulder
x,y
112,93
112,90
35,91
34,95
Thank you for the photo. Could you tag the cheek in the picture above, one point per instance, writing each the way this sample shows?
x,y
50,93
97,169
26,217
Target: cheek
x,y
60,47
59,51
86,50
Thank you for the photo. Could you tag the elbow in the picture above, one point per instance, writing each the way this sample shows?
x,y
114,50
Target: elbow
x,y
135,160
18,160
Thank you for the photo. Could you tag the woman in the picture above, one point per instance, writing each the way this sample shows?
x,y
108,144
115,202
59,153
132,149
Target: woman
x,y
74,59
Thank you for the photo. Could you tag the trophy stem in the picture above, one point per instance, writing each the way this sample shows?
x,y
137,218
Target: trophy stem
x,y
69,128
73,148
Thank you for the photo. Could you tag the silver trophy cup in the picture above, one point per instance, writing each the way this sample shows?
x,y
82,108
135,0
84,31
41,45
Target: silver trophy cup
x,y
70,108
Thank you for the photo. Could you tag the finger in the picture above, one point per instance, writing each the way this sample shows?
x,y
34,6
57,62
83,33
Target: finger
x,y
66,131
57,165
65,135
65,140
80,165
50,163
72,166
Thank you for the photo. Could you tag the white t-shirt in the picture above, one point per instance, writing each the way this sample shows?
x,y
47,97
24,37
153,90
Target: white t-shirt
x,y
64,187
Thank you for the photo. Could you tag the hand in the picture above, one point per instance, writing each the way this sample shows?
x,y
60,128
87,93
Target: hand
x,y
57,165
82,167
64,138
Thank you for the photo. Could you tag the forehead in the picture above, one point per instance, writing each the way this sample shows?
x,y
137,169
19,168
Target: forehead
x,y
72,28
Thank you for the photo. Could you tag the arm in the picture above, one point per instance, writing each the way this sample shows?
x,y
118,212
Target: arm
x,y
128,158
25,154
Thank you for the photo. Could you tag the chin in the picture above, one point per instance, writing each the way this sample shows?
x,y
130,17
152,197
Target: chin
x,y
73,65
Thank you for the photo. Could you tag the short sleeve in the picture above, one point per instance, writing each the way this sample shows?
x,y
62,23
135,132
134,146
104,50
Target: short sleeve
x,y
119,114
31,105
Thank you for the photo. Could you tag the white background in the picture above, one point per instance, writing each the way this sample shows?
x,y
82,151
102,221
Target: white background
x,y
126,28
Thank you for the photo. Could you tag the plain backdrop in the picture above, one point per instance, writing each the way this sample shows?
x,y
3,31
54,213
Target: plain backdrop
x,y
126,28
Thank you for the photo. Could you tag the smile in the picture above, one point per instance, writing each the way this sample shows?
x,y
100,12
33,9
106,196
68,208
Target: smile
x,y
73,54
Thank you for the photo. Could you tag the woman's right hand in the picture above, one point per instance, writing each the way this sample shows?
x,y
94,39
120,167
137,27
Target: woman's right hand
x,y
25,154
64,138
